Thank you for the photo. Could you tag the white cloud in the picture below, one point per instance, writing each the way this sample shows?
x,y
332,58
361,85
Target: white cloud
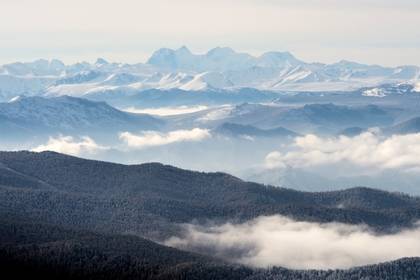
x,y
366,150
416,87
167,111
154,138
216,114
276,240
70,145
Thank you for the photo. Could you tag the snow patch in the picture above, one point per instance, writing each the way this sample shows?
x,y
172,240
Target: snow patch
x,y
15,99
166,111
374,92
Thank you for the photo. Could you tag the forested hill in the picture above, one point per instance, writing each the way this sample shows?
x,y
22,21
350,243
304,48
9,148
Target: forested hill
x,y
152,198
63,217
31,250
40,251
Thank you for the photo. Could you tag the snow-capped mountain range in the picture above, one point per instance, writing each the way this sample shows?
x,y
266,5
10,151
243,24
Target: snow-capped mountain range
x,y
218,69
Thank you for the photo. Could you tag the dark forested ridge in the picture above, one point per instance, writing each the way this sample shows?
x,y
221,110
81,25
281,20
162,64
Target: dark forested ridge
x,y
35,250
76,218
50,252
149,198
407,269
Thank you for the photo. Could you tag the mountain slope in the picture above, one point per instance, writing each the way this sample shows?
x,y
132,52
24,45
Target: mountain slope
x,y
30,250
50,252
407,127
151,199
38,115
90,216
232,129
309,118
401,269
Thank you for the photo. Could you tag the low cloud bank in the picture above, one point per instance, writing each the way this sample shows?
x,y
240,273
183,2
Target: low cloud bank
x,y
70,145
167,111
365,150
279,241
154,138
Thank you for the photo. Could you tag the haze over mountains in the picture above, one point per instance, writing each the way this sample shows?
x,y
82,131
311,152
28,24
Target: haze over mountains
x,y
210,140
26,116
258,135
348,133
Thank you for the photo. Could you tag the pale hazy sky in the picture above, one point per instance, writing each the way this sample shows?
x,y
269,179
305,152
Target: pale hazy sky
x,y
372,31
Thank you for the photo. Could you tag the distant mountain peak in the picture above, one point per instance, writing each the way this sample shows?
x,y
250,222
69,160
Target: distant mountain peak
x,y
100,61
278,59
220,51
349,63
230,69
284,54
183,50
163,57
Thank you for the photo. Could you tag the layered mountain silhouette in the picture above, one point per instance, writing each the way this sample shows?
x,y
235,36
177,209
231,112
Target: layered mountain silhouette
x,y
72,218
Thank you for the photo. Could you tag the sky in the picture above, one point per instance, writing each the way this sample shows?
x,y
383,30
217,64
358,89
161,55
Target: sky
x,y
370,31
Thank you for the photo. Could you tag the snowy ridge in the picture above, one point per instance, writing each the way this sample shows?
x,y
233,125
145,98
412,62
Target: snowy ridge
x,y
66,113
219,68
375,92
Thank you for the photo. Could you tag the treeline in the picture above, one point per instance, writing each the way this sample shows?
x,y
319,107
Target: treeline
x,y
151,198
84,210
49,252
403,269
